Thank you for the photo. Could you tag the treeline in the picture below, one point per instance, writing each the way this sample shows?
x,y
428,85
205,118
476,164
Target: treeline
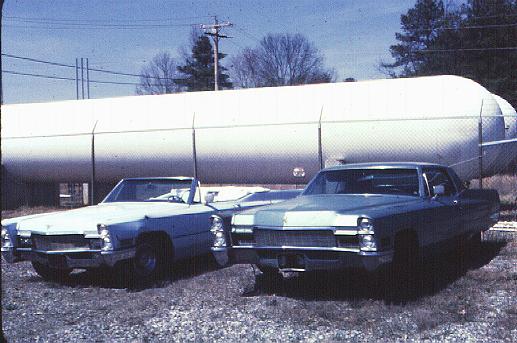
x,y
477,40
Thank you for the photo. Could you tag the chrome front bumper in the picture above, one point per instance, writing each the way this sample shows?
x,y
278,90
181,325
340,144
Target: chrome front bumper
x,y
69,259
307,259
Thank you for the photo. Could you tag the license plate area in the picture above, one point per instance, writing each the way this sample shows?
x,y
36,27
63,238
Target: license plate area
x,y
57,261
60,242
291,262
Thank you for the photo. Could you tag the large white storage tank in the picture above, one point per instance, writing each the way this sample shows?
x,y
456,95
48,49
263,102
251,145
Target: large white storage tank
x,y
256,135
49,141
510,121
142,136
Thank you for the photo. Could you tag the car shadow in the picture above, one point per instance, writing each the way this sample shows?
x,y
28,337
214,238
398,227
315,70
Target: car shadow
x,y
120,277
434,275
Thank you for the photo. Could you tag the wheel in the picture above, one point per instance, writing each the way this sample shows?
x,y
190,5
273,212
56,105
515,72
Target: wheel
x,y
462,252
150,260
468,248
268,271
221,259
407,264
269,280
49,273
474,245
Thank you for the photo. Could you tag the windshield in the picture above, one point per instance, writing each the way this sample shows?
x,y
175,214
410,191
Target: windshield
x,y
151,190
365,181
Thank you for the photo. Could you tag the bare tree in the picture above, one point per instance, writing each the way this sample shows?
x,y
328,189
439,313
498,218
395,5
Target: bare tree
x,y
159,75
244,69
280,60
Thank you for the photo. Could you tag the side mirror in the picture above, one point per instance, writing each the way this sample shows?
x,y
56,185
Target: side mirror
x,y
209,197
438,190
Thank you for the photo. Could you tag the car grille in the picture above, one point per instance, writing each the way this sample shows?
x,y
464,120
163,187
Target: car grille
x,y
295,238
60,242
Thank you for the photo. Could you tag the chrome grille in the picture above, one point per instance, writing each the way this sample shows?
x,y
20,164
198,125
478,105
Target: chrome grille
x,y
60,242
295,238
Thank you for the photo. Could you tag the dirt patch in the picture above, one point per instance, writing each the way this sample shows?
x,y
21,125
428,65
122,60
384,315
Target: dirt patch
x,y
473,301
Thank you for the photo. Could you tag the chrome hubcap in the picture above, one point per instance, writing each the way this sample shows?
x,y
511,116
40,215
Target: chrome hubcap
x,y
146,260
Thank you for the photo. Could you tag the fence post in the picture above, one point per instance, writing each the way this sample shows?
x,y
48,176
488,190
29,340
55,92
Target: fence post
x,y
480,149
92,179
320,148
194,153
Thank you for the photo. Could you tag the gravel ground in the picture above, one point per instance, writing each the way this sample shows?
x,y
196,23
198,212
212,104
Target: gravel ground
x,y
199,302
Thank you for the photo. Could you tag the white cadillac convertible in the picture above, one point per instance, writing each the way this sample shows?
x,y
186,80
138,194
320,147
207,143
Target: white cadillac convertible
x,y
145,222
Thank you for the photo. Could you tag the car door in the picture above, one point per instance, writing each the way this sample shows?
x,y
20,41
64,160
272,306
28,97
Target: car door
x,y
444,217
191,233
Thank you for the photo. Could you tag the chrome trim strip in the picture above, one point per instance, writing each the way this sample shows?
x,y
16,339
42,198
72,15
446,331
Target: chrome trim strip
x,y
341,232
297,248
345,230
304,228
292,269
51,252
218,249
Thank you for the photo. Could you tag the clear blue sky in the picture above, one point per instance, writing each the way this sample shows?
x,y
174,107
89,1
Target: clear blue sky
x,y
353,35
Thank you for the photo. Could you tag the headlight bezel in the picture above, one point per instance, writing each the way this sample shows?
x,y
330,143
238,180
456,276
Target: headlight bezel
x,y
105,237
217,229
366,232
6,242
217,224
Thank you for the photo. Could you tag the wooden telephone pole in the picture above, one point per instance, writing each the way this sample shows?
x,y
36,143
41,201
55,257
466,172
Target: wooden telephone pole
x,y
213,31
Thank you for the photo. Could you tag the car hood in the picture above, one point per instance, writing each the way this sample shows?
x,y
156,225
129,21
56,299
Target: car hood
x,y
85,220
320,210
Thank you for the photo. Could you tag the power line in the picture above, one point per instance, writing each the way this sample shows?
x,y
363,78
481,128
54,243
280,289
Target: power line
x,y
237,45
467,49
253,37
112,25
486,16
38,75
39,61
65,78
469,27
19,18
73,79
127,74
91,69
102,27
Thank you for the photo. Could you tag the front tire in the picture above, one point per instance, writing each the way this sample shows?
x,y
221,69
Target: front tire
x,y
474,244
49,273
150,261
268,271
407,265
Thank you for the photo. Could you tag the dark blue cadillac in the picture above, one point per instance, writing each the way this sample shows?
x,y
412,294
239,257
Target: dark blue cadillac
x,y
363,215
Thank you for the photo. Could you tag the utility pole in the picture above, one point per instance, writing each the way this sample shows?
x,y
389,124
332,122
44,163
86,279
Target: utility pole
x,y
82,78
77,79
213,30
87,79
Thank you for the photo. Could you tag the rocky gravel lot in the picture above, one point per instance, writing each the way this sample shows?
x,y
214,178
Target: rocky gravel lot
x,y
201,303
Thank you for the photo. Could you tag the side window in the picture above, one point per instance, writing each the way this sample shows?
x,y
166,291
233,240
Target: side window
x,y
437,177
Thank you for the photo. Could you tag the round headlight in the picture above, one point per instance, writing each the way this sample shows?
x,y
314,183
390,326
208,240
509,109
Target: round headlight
x,y
220,241
365,226
6,239
105,237
367,243
217,224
